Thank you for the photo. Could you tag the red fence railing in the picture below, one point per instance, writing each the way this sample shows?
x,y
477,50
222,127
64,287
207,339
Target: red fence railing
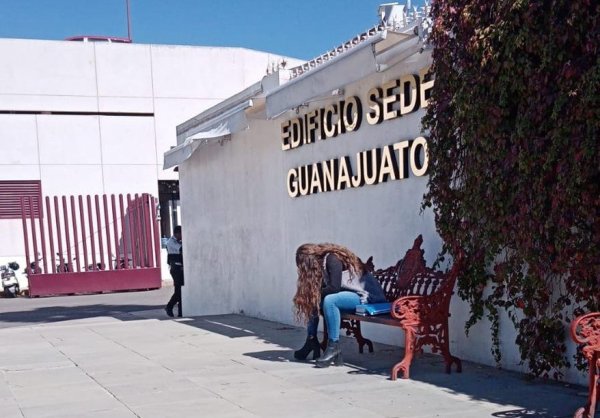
x,y
78,234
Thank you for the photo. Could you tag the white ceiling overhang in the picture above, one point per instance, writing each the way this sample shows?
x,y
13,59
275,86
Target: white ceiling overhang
x,y
220,127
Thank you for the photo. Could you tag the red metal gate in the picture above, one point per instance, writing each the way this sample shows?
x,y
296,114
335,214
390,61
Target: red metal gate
x,y
84,244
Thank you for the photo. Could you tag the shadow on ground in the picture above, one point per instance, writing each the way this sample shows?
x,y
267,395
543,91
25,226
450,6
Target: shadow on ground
x,y
119,305
523,398
66,313
515,396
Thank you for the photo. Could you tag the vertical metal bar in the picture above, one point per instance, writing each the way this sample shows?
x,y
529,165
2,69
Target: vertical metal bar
x,y
123,233
83,239
147,239
150,246
68,263
99,226
142,234
156,234
142,231
25,235
60,256
128,22
33,233
50,234
91,223
107,227
115,231
131,232
138,230
75,239
150,208
42,234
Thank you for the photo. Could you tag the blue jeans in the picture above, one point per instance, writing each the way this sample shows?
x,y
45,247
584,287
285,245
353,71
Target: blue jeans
x,y
332,306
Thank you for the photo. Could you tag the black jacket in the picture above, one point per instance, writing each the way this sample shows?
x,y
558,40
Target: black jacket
x,y
332,276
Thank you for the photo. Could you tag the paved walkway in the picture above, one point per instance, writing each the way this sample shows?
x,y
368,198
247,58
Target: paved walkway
x,y
103,356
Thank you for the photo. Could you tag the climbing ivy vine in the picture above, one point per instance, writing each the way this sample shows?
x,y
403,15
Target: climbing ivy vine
x,y
514,171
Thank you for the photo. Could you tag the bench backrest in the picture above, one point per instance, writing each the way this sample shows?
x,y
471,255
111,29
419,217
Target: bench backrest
x,y
425,283
411,277
437,288
396,280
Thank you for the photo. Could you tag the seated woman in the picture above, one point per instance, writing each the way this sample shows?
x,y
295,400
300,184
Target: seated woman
x,y
334,279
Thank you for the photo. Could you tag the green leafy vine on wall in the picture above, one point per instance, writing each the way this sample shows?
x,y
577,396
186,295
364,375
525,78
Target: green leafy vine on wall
x,y
514,163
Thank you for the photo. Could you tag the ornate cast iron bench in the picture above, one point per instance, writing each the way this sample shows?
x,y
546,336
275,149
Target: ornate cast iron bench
x,y
585,330
420,299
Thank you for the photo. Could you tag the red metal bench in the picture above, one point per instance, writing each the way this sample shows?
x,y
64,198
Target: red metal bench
x,y
421,304
585,330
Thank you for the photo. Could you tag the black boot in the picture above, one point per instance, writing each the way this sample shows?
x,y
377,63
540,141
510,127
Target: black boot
x,y
310,345
332,354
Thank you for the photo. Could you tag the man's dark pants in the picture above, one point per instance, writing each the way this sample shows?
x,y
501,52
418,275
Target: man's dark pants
x,y
177,275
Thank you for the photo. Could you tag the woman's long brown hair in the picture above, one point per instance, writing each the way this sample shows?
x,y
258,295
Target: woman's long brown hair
x,y
309,260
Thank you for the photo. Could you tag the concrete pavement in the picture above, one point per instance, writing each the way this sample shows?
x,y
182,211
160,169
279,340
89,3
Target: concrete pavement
x,y
118,355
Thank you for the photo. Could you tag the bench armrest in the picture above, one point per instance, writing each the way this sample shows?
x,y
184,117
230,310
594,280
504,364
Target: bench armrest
x,y
586,330
411,309
432,301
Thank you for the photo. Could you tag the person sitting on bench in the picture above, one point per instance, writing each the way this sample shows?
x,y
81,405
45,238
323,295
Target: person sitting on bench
x,y
333,278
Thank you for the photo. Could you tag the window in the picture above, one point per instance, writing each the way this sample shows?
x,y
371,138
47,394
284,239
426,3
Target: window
x,y
11,193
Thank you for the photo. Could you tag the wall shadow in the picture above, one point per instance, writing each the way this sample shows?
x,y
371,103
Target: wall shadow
x,y
52,314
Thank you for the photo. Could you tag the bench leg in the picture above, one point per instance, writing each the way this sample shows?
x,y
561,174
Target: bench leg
x,y
409,352
590,408
445,349
352,328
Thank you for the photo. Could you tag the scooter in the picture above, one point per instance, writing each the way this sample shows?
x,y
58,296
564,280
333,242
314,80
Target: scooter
x,y
10,284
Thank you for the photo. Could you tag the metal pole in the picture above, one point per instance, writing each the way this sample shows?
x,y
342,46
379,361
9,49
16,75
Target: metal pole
x,y
128,21
24,219
50,235
75,242
60,254
123,229
115,232
83,238
68,263
92,233
156,233
99,228
107,228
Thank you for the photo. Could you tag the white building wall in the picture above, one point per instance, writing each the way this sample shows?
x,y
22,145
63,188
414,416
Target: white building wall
x,y
97,153
242,228
246,228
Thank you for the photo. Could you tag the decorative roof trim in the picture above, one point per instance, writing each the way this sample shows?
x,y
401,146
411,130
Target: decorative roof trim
x,y
416,20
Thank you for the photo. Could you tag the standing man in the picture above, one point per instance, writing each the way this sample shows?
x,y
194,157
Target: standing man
x,y
175,261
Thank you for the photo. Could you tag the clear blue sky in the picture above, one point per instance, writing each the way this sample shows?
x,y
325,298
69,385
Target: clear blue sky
x,y
299,28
